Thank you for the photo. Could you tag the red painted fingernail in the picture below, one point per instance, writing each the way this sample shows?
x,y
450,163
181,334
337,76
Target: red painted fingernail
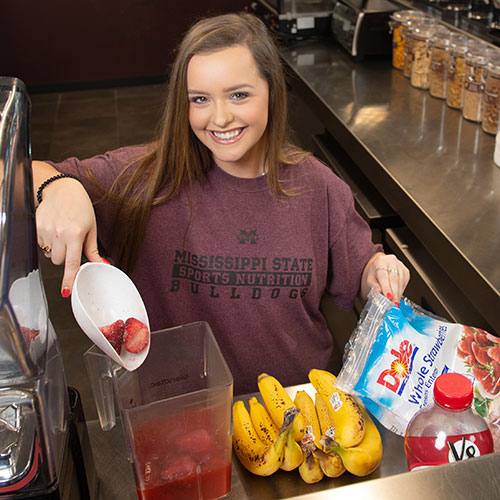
x,y
65,292
397,304
389,295
106,261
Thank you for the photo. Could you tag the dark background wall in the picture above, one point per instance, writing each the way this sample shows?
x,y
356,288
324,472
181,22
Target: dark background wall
x,y
56,43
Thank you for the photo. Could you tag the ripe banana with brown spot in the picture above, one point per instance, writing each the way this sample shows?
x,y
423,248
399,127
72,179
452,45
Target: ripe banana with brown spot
x,y
254,455
277,400
292,453
262,421
330,463
326,421
305,404
310,470
364,458
346,414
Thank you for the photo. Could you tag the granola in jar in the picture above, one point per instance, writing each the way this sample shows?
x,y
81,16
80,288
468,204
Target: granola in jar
x,y
491,96
456,72
474,82
399,29
440,60
422,36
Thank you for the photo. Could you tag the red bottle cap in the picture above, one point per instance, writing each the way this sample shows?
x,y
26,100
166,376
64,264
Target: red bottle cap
x,y
454,391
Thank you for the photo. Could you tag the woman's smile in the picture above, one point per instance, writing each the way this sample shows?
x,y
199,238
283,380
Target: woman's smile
x,y
228,137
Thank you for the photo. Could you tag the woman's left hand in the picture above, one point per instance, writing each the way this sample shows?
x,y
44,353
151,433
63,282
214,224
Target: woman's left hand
x,y
387,275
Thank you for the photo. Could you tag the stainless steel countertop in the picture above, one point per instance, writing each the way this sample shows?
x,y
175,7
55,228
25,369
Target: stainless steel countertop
x,y
462,480
432,166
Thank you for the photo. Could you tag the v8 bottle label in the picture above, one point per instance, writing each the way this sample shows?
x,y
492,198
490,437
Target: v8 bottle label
x,y
422,452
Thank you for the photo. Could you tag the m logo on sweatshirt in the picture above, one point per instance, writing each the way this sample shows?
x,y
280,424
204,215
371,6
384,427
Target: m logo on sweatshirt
x,y
248,236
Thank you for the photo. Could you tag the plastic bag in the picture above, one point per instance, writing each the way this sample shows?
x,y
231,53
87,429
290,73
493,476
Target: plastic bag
x,y
396,353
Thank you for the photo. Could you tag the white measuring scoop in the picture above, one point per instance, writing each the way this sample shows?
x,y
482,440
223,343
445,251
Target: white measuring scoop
x,y
101,295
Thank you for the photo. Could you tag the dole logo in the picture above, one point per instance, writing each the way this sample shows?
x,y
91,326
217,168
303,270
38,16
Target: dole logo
x,y
400,367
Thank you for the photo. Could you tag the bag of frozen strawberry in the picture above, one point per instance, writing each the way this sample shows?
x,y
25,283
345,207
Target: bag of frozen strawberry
x,y
396,353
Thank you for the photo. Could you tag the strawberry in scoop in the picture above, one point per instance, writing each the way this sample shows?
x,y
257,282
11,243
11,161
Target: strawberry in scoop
x,y
136,336
114,334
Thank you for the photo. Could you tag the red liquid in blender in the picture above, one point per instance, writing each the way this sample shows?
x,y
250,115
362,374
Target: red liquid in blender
x,y
214,484
179,456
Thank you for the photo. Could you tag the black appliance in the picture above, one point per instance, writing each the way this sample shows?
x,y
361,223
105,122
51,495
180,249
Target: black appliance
x,y
299,18
362,26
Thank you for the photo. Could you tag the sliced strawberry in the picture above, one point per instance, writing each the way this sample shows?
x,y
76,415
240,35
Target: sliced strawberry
x,y
495,371
494,353
470,360
483,376
29,334
136,335
481,354
481,338
469,330
197,443
114,334
492,338
178,468
465,344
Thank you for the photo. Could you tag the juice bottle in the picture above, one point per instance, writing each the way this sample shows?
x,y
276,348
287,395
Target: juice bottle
x,y
448,430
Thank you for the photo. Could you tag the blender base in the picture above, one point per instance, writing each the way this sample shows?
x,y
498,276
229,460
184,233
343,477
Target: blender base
x,y
78,479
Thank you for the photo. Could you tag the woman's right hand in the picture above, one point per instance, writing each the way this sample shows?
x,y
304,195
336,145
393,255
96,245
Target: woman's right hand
x,y
65,222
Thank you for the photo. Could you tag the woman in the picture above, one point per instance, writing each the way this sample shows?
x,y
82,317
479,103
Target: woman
x,y
221,219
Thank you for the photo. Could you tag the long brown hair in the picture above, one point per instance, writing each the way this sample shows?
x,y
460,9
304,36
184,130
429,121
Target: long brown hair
x,y
177,158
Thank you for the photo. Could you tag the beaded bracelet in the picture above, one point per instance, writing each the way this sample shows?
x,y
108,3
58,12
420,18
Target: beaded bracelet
x,y
48,181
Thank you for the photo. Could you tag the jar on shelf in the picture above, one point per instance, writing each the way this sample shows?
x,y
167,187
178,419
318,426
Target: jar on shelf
x,y
491,96
398,29
456,72
440,60
421,44
474,82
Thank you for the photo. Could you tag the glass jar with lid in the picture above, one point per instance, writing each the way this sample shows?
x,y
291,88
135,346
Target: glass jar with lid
x,y
398,29
456,72
421,41
474,82
409,26
491,96
440,60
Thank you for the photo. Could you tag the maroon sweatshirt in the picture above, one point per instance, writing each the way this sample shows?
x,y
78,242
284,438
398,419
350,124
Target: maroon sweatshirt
x,y
254,267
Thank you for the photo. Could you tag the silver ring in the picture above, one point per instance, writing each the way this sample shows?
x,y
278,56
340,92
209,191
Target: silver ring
x,y
393,271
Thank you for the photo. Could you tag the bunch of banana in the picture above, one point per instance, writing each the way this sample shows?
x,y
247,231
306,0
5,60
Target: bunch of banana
x,y
277,401
262,459
347,429
321,437
345,413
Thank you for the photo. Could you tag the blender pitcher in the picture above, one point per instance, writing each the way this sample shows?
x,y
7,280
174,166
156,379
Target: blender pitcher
x,y
175,411
34,407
